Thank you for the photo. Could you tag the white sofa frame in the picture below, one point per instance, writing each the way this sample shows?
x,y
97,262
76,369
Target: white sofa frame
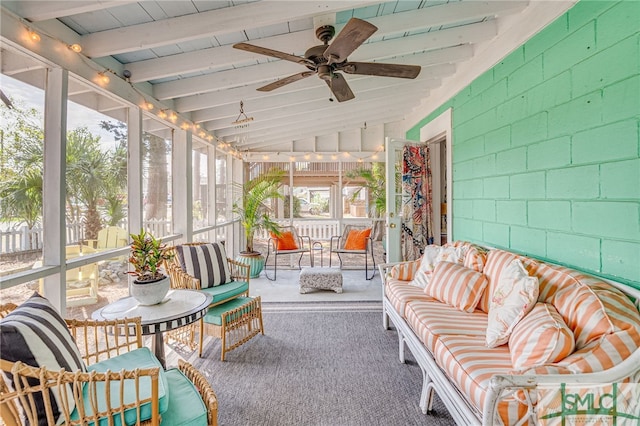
x,y
436,380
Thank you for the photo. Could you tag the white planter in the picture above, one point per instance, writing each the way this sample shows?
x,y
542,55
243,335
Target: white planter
x,y
150,293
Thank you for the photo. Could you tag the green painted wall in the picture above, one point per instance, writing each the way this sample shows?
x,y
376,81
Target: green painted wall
x,y
546,147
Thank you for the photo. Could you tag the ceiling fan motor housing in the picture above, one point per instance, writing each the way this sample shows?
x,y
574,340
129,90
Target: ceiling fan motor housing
x,y
325,33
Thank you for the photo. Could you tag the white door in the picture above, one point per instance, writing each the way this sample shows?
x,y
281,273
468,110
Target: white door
x,y
393,152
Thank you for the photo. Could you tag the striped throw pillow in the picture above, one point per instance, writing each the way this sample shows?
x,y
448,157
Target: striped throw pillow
x,y
456,285
206,262
540,338
37,335
405,271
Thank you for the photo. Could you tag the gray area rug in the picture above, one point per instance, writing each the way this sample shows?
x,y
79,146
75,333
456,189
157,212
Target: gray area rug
x,y
318,367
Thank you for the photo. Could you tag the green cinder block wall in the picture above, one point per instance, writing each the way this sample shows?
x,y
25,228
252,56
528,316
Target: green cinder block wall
x,y
546,145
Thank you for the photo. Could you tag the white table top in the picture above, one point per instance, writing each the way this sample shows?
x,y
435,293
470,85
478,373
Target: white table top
x,y
179,308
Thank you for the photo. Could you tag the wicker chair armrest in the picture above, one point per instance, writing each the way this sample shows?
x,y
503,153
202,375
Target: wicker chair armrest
x,y
102,339
180,279
204,388
239,271
6,309
29,381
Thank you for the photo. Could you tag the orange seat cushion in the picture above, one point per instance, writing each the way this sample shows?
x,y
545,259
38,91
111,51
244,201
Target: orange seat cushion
x,y
357,240
285,241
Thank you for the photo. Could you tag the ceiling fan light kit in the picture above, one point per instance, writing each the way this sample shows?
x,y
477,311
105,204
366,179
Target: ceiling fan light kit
x,y
326,59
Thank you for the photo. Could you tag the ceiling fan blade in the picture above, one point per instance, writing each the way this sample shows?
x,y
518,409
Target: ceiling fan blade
x,y
340,88
350,38
273,53
381,69
284,81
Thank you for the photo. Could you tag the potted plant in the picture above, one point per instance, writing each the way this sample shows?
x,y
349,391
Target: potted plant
x,y
253,212
147,254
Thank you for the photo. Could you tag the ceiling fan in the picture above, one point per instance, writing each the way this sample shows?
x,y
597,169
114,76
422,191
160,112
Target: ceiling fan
x,y
326,59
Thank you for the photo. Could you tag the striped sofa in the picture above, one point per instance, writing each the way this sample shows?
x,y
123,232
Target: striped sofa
x,y
579,330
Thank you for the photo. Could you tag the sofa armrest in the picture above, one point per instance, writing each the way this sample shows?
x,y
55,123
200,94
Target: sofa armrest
x,y
527,384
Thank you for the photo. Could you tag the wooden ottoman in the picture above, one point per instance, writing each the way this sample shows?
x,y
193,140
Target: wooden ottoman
x,y
234,322
320,279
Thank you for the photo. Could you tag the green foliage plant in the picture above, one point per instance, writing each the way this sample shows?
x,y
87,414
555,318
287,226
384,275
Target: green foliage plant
x,y
252,208
147,255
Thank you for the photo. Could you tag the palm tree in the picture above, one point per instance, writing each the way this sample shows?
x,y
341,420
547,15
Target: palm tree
x,y
373,180
21,161
253,211
87,173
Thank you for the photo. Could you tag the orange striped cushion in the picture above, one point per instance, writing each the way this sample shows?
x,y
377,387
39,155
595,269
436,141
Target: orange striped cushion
x,y
475,258
515,295
470,364
431,319
610,349
456,285
540,338
405,271
400,292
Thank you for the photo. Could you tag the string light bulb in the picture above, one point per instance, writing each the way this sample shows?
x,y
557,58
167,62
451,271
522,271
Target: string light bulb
x,y
173,117
75,47
148,106
103,78
162,114
185,126
34,36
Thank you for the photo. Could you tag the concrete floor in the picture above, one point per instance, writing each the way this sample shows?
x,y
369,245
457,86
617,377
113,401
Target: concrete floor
x,y
355,288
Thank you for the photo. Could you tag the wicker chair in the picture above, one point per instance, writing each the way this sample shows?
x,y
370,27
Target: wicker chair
x,y
339,245
97,341
302,246
182,280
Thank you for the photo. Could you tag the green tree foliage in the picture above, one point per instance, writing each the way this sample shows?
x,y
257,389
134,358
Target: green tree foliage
x,y
21,165
252,208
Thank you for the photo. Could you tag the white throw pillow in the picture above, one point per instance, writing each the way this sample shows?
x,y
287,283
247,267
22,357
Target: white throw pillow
x,y
427,265
515,295
432,256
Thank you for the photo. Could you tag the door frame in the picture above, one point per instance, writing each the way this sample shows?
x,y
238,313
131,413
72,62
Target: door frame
x,y
436,129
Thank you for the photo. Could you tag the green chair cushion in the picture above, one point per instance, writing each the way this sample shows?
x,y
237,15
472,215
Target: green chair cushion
x,y
214,314
138,358
185,405
226,291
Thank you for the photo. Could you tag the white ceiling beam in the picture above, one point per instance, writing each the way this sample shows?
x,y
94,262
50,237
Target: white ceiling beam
x,y
298,42
206,24
212,100
343,117
367,52
213,118
302,106
292,113
43,10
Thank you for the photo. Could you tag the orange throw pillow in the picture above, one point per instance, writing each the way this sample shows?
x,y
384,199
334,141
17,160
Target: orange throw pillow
x,y
357,240
285,241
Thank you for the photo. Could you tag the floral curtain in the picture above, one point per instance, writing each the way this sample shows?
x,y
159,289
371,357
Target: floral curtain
x,y
417,207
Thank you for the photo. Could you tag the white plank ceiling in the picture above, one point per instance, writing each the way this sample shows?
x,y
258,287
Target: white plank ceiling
x,y
181,53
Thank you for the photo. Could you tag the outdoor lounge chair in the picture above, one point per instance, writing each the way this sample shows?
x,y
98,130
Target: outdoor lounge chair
x,y
91,372
288,242
354,240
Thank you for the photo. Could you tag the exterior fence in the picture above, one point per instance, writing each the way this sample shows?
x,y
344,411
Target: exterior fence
x,y
25,239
